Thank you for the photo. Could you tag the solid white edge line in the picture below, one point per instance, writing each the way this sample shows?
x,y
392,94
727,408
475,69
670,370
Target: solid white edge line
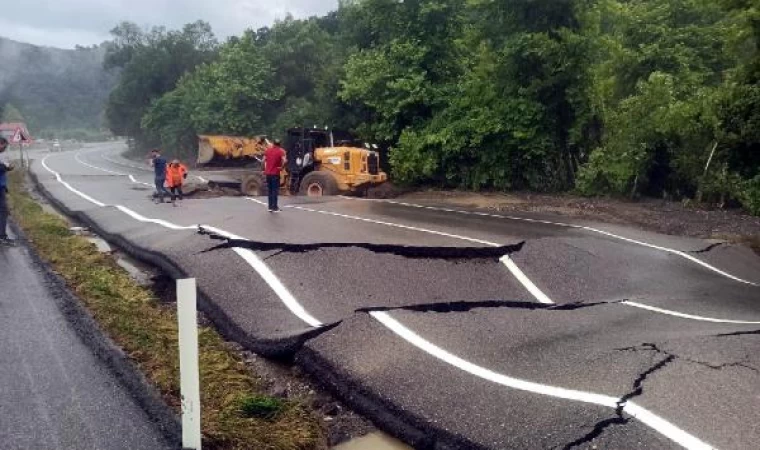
x,y
397,225
249,256
686,316
68,186
581,227
674,252
652,420
509,263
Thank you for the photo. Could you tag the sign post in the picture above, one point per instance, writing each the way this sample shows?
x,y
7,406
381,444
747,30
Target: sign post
x,y
18,139
188,364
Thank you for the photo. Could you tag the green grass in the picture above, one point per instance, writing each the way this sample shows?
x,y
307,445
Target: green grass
x,y
236,413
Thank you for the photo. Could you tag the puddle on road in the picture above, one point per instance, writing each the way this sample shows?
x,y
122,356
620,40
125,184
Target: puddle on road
x,y
374,441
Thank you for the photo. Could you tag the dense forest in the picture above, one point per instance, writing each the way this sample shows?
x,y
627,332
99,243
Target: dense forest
x,y
626,97
56,92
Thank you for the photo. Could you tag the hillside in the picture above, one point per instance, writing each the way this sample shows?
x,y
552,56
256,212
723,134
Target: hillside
x,y
54,88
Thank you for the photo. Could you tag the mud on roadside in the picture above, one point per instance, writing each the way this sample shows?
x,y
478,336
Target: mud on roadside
x,y
661,216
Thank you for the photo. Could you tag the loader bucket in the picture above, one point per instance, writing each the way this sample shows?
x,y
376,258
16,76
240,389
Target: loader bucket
x,y
230,150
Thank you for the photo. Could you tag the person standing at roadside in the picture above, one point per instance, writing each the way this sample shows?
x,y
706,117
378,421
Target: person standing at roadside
x,y
5,167
176,173
159,166
275,159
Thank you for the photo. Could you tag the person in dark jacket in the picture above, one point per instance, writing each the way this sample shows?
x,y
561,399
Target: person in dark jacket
x,y
159,166
5,167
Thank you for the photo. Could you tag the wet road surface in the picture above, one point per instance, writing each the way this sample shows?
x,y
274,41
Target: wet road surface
x,y
579,335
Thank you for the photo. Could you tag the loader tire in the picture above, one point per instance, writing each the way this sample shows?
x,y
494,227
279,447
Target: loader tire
x,y
318,184
254,185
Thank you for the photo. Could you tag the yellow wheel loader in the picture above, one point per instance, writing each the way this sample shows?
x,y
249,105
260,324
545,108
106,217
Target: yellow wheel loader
x,y
320,162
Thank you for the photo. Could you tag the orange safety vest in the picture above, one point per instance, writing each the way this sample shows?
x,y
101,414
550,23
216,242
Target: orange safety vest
x,y
175,175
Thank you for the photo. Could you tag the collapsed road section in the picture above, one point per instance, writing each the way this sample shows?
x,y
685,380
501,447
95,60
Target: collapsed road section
x,y
444,351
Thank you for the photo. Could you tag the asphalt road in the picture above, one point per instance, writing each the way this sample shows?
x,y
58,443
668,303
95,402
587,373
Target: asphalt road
x,y
579,335
54,393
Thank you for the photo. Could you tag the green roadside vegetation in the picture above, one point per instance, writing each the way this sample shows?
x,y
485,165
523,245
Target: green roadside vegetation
x,y
657,98
236,413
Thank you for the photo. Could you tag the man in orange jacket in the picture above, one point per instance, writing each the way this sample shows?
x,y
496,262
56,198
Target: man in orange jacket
x,y
176,173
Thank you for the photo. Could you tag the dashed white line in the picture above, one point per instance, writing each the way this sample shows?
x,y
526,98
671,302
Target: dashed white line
x,y
132,166
79,160
255,200
134,180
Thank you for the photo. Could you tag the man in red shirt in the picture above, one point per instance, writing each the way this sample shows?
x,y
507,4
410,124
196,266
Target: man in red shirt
x,y
275,159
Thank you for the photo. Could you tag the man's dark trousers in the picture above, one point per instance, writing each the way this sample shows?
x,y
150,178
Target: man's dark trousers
x,y
160,189
3,213
273,187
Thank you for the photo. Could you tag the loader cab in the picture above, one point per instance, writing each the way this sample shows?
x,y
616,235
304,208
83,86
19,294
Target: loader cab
x,y
300,144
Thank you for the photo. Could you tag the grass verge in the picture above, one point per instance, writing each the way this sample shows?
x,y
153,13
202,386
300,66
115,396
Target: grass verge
x,y
236,414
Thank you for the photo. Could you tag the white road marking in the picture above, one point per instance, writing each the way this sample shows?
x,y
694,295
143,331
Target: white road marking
x,y
123,164
674,252
255,200
134,180
396,225
79,160
520,275
131,177
166,224
652,420
686,316
270,278
525,281
68,186
580,227
249,256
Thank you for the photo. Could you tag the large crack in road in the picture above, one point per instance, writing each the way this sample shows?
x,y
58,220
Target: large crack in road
x,y
661,357
636,391
406,251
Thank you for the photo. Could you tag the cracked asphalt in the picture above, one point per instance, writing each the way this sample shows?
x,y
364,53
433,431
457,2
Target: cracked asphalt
x,y
651,342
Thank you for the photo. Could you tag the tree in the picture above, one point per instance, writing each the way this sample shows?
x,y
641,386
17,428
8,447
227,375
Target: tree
x,y
11,114
223,97
152,63
658,81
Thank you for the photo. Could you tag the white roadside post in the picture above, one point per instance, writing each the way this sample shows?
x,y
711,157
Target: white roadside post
x,y
188,364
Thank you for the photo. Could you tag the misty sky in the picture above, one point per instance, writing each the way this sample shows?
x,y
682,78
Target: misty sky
x,y
66,23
